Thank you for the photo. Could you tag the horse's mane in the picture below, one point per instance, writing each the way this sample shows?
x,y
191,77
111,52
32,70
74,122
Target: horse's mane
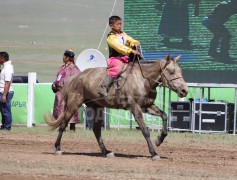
x,y
148,61
145,63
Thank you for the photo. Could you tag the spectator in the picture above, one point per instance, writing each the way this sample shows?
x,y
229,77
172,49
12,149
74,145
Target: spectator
x,y
67,70
6,91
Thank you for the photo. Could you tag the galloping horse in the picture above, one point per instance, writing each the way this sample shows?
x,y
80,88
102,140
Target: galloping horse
x,y
137,94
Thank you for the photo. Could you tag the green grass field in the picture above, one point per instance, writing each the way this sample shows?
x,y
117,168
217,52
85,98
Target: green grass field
x,y
127,135
36,33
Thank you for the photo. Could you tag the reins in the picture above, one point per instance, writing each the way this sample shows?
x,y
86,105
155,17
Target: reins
x,y
138,60
162,73
169,81
133,62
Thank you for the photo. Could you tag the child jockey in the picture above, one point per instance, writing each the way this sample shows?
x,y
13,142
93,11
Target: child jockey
x,y
120,49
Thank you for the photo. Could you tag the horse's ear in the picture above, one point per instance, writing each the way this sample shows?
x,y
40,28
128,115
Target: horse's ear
x,y
168,57
177,58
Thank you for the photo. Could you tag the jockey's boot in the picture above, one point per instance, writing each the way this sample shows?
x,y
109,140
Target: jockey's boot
x,y
104,88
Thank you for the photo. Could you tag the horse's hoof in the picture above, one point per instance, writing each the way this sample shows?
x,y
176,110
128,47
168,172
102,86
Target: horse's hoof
x,y
158,141
58,153
110,155
155,158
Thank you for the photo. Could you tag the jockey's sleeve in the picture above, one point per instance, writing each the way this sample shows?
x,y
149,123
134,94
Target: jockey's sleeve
x,y
130,41
114,43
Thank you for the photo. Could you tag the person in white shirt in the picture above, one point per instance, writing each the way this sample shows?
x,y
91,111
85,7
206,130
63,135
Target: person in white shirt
x,y
6,91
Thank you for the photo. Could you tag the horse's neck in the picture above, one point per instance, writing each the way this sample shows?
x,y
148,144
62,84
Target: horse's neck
x,y
152,71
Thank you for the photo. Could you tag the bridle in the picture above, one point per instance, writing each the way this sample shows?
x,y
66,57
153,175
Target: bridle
x,y
162,74
169,81
159,80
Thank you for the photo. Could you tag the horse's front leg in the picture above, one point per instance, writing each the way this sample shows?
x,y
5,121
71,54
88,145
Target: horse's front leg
x,y
97,132
137,112
154,110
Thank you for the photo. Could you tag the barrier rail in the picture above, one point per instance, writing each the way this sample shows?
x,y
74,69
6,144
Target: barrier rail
x,y
32,100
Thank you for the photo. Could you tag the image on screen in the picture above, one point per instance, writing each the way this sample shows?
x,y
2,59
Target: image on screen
x,y
203,31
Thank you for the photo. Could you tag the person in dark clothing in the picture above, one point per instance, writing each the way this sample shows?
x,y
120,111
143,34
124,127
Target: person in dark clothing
x,y
215,23
175,19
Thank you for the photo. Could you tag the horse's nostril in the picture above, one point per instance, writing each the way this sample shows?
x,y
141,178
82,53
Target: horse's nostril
x,y
184,91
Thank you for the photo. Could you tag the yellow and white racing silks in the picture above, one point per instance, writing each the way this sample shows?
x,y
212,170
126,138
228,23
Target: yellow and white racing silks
x,y
121,43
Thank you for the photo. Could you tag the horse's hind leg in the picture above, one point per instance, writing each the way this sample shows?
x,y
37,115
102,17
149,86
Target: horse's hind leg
x,y
66,118
97,131
70,109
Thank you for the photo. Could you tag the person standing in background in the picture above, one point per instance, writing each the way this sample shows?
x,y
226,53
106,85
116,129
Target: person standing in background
x,y
6,91
215,23
67,70
174,21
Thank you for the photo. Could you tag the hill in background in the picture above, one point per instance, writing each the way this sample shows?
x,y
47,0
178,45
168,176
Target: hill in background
x,y
36,33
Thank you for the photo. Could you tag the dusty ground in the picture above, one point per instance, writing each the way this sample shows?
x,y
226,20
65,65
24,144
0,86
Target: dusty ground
x,y
29,155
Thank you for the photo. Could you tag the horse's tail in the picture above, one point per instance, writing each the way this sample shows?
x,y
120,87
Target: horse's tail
x,y
52,122
69,86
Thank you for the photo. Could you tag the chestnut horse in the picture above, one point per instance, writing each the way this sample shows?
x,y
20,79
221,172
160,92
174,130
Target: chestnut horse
x,y
137,93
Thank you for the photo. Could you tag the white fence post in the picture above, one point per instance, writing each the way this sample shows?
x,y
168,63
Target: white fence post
x,y
30,102
234,128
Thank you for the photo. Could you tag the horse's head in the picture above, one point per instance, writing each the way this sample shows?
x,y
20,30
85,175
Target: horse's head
x,y
171,76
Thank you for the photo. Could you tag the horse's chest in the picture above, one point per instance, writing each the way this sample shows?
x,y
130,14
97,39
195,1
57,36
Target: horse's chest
x,y
145,99
150,98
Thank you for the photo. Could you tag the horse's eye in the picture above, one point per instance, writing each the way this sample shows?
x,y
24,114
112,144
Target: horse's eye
x,y
171,72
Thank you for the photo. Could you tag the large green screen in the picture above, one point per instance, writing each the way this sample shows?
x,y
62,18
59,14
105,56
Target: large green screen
x,y
182,28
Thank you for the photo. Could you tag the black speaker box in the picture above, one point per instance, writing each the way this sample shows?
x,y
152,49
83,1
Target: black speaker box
x,y
213,116
180,115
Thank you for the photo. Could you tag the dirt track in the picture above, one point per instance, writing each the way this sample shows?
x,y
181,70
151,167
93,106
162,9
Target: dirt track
x,y
24,155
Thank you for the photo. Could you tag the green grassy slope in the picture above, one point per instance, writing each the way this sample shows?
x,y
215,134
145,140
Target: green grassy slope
x,y
36,33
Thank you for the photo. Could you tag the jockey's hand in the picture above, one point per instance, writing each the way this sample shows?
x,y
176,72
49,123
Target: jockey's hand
x,y
54,88
4,98
137,44
136,52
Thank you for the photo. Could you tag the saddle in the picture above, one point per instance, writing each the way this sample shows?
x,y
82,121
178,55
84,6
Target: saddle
x,y
121,79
